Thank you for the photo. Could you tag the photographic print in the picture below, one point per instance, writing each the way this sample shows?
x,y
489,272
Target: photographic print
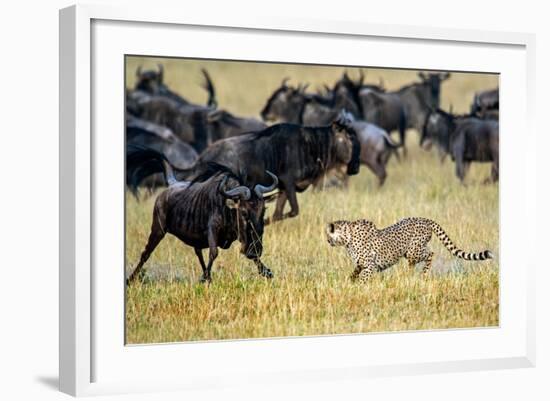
x,y
277,200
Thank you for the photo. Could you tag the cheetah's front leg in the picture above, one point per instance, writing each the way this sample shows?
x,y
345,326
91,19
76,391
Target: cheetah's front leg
x,y
356,272
363,273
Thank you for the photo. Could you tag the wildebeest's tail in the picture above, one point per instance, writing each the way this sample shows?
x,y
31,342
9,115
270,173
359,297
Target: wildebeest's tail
x,y
451,247
392,145
209,86
141,162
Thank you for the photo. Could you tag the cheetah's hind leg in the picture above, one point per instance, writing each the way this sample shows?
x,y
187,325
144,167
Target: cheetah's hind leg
x,y
428,262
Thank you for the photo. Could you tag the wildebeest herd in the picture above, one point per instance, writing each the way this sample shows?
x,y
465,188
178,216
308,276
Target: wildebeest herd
x,y
221,169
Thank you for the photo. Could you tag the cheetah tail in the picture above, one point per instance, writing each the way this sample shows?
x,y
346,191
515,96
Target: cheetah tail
x,y
451,247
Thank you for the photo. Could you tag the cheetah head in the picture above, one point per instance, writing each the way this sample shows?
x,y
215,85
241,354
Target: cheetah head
x,y
338,233
342,232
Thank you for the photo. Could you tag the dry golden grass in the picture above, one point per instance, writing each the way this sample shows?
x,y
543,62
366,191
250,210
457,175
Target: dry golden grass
x,y
311,293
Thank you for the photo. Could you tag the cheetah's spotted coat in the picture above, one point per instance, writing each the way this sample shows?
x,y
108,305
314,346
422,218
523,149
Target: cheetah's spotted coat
x,y
373,250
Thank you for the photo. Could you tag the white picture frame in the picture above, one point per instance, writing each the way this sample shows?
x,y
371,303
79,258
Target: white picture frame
x,y
88,366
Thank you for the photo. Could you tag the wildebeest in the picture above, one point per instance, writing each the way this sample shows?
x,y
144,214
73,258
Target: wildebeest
x,y
376,146
364,101
286,104
222,124
199,126
386,110
298,155
420,98
141,133
486,104
187,122
467,139
398,110
294,105
213,210
152,82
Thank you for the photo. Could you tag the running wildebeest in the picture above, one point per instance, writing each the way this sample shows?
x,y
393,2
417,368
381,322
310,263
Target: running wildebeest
x,y
467,139
213,210
486,104
298,155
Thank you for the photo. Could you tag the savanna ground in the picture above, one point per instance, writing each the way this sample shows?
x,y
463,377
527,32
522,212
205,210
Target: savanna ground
x,y
311,293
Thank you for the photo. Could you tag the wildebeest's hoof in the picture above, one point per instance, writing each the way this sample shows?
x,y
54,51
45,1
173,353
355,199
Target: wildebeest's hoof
x,y
135,277
266,273
205,280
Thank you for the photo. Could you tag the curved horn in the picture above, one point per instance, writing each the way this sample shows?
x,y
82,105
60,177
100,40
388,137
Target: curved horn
x,y
161,71
361,77
285,80
260,189
241,191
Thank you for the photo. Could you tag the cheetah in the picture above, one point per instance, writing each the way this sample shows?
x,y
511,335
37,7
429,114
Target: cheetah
x,y
375,250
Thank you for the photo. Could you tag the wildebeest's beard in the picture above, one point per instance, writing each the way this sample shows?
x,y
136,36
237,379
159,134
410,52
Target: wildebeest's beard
x,y
354,163
348,147
251,228
249,208
433,82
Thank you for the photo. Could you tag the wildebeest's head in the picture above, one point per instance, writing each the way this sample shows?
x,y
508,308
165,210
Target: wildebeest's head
x,y
433,82
149,81
486,104
346,93
285,104
249,206
348,147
